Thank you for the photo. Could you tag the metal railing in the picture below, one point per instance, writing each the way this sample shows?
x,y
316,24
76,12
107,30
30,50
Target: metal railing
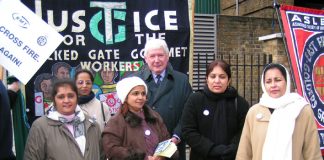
x,y
246,72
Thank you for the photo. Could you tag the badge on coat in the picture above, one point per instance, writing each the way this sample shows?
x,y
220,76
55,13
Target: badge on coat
x,y
147,132
259,116
206,112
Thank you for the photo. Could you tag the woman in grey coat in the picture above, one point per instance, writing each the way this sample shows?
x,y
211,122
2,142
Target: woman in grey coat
x,y
65,132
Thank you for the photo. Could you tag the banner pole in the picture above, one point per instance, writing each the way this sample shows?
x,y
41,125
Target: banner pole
x,y
1,72
277,6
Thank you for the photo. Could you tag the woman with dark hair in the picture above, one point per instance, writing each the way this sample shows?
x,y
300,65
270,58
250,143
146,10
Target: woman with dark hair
x,y
212,119
65,132
135,130
281,125
87,100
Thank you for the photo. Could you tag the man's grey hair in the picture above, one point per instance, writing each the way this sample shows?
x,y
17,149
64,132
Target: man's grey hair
x,y
156,44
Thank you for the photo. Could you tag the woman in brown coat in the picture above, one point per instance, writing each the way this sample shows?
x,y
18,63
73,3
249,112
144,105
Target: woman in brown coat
x,y
135,131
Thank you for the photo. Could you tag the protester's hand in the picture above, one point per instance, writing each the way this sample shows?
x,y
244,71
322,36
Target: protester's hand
x,y
155,158
218,150
230,152
229,156
14,86
175,140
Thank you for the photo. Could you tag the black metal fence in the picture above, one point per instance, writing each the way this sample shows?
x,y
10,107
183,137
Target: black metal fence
x,y
246,73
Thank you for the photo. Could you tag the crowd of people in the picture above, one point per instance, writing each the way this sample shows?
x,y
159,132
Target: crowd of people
x,y
158,104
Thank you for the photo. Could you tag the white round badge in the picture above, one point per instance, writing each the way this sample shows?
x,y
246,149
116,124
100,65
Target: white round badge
x,y
206,112
147,132
259,116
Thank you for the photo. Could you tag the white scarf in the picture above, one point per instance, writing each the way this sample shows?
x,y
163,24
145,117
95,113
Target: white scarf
x,y
79,136
278,141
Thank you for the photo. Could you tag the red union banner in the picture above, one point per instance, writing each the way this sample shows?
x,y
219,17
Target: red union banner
x,y
304,31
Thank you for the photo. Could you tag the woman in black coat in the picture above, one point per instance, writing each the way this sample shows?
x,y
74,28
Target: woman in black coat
x,y
212,119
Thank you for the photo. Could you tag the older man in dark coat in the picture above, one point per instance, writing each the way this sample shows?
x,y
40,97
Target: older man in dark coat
x,y
168,88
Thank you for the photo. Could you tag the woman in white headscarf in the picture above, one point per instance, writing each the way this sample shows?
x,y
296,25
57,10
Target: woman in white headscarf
x,y
281,126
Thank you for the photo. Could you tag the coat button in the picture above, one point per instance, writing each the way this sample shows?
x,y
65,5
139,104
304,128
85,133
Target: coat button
x,y
153,107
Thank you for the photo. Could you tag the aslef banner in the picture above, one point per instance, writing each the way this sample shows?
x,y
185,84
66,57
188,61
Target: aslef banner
x,y
107,37
304,31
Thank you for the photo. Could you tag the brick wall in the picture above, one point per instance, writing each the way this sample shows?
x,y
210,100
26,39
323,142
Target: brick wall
x,y
251,8
238,43
240,34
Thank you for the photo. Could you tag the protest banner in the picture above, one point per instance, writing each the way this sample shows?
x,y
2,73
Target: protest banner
x,y
304,31
107,37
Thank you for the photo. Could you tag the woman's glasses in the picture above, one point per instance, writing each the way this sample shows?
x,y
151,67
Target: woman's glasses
x,y
82,82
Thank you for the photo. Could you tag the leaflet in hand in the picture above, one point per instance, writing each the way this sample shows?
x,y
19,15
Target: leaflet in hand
x,y
165,149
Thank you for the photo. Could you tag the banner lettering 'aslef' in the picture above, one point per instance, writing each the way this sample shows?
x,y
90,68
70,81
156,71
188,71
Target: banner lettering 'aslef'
x,y
106,37
304,30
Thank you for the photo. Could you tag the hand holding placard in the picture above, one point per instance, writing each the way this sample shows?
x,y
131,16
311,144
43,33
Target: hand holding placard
x,y
165,149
